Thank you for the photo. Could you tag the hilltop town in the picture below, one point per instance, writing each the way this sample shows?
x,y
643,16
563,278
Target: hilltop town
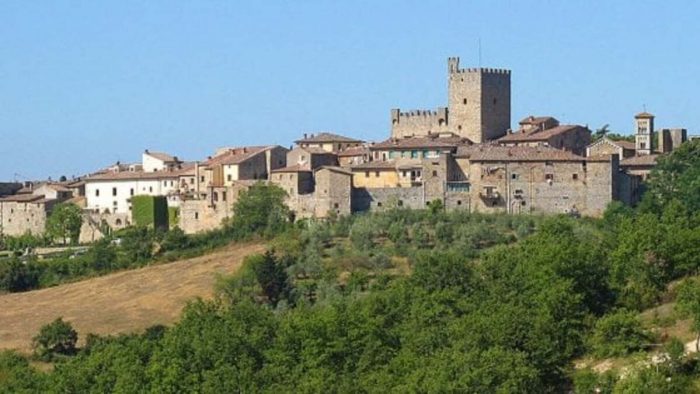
x,y
465,156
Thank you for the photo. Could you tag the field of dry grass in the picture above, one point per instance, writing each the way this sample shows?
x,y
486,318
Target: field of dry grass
x,y
118,303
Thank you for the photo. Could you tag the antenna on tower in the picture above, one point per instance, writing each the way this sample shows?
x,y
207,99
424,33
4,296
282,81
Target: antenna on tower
x,y
479,52
644,106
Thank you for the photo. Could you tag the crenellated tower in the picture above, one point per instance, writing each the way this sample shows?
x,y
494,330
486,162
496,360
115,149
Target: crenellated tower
x,y
478,107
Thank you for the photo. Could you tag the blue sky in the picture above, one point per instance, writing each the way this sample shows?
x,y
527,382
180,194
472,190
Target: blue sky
x,y
84,84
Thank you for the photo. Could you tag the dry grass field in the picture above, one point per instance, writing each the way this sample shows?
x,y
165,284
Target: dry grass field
x,y
118,303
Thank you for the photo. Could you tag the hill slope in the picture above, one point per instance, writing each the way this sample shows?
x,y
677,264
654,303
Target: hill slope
x,y
117,303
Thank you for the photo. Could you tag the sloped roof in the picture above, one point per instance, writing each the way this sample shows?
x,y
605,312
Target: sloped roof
x,y
537,135
374,165
536,119
162,156
24,198
421,143
315,150
337,169
644,114
136,175
640,160
236,155
295,168
491,152
354,151
627,145
326,137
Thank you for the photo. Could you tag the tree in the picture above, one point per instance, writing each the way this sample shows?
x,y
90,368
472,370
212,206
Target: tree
x,y
260,210
675,177
618,334
64,222
688,304
57,337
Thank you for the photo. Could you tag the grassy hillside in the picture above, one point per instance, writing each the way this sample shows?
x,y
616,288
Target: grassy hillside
x,y
123,302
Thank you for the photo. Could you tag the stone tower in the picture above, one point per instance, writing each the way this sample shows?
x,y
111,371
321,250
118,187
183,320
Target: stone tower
x,y
478,102
478,107
644,126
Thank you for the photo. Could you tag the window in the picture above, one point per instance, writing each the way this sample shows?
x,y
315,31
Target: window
x,y
548,163
549,177
403,174
228,177
376,173
335,205
574,176
215,196
464,101
114,203
400,203
131,191
223,196
191,181
366,174
514,176
459,127
150,189
114,191
201,179
97,192
379,204
196,215
642,145
414,154
459,202
118,222
291,176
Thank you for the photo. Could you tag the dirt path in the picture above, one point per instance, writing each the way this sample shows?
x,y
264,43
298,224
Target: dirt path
x,y
118,303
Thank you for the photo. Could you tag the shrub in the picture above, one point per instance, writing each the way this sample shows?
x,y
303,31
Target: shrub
x,y
617,334
57,337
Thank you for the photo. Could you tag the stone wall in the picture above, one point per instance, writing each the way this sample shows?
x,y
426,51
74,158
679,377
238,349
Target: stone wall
x,y
378,199
18,218
418,122
333,192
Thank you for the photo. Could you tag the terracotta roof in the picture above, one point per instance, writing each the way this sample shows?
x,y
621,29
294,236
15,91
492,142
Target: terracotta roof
x,y
315,150
24,198
135,175
641,160
354,151
644,114
421,143
490,152
620,143
235,155
335,169
57,187
535,119
296,168
326,137
161,156
374,165
537,135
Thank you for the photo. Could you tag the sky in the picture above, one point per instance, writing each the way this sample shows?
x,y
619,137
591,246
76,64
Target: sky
x,y
84,84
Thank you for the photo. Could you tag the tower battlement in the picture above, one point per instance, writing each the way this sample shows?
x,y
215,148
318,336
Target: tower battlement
x,y
453,68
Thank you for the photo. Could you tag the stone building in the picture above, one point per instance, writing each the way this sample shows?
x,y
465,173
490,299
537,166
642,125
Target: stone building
x,y
417,147
478,107
311,157
329,142
671,139
606,146
294,180
24,213
356,155
548,132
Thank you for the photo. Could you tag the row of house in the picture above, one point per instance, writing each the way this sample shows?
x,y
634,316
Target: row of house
x,y
464,155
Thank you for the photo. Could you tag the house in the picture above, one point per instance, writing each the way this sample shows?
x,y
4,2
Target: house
x,y
417,147
158,161
327,141
606,146
572,138
311,157
356,155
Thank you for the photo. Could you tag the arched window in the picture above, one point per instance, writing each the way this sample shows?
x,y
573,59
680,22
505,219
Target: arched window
x,y
118,222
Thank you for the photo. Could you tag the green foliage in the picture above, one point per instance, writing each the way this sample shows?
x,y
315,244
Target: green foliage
x,y
55,338
617,334
260,210
173,216
17,376
16,275
688,303
64,222
675,178
150,211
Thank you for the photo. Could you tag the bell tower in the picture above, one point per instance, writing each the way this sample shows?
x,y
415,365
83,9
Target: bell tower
x,y
644,128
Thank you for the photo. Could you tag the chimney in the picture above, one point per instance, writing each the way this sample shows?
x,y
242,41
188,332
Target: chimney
x,y
305,136
146,151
